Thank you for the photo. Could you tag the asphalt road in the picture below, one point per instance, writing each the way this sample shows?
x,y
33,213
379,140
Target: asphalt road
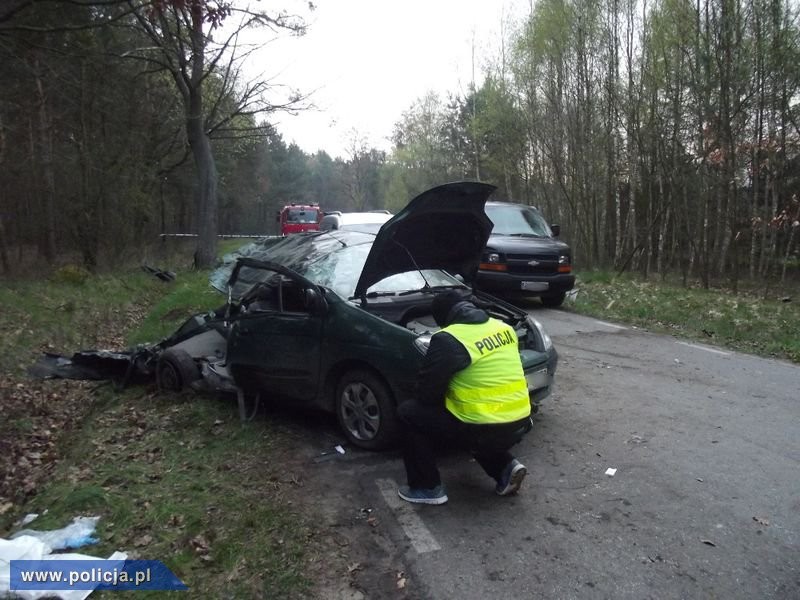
x,y
705,501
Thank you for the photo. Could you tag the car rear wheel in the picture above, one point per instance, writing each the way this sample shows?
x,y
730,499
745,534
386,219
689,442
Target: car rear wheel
x,y
175,370
366,411
553,301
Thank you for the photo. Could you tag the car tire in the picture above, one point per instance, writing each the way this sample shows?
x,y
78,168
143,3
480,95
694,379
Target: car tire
x,y
554,301
175,370
366,410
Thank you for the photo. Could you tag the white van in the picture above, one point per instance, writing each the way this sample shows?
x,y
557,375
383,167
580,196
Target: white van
x,y
369,222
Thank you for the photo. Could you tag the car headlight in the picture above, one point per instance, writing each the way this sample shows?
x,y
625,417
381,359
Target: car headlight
x,y
423,342
547,342
493,261
564,264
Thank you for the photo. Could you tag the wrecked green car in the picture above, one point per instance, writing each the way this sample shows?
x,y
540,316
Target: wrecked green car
x,y
340,320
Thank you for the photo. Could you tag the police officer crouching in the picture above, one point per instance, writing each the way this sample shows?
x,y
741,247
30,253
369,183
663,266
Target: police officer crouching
x,y
471,390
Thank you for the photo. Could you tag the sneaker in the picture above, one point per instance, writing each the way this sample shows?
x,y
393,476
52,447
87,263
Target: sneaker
x,y
423,496
511,479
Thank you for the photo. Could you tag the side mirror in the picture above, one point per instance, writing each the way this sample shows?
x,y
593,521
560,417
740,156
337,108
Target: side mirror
x,y
314,302
556,229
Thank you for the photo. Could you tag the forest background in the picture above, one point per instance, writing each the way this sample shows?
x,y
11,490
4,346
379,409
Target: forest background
x,y
663,136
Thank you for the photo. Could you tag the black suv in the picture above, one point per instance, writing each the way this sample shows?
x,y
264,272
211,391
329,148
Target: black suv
x,y
523,256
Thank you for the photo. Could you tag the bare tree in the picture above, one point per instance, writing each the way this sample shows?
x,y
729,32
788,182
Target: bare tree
x,y
207,74
355,185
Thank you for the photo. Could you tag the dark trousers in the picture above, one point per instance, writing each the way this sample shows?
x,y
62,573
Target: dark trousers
x,y
425,426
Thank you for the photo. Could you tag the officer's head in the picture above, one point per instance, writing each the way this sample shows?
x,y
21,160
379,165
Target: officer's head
x,y
442,305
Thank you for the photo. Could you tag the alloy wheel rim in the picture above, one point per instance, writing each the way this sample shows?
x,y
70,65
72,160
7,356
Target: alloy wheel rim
x,y
360,411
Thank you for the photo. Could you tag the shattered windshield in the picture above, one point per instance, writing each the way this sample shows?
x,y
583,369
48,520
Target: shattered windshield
x,y
340,271
511,219
331,259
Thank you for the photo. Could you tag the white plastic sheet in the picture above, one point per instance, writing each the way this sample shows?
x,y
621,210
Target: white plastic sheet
x,y
76,534
26,547
30,544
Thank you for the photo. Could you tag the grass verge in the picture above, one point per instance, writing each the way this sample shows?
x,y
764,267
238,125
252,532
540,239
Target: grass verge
x,y
66,314
743,322
179,479
174,478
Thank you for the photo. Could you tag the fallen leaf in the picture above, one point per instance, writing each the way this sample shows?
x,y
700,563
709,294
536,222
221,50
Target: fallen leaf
x,y
761,521
354,567
709,543
401,583
4,508
143,540
175,520
200,544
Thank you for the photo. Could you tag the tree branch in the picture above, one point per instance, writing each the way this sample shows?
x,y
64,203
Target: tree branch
x,y
88,3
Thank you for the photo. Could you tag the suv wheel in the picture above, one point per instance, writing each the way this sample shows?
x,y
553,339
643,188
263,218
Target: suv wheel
x,y
365,410
553,301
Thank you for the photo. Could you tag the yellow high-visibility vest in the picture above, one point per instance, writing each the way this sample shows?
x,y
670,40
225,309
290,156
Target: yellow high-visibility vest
x,y
492,389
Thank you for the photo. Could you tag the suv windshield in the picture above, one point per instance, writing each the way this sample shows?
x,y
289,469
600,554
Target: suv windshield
x,y
517,220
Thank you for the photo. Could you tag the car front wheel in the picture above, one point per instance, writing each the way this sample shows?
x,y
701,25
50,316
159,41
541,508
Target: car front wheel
x,y
175,370
366,411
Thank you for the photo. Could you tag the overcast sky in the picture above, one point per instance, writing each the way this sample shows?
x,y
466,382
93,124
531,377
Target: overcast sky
x,y
367,61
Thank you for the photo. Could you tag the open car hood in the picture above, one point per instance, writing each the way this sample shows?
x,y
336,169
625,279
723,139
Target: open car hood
x,y
443,228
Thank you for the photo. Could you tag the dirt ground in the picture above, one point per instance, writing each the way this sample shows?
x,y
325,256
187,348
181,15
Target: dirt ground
x,y
352,557
38,419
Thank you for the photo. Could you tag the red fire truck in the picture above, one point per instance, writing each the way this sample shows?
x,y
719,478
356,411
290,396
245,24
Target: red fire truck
x,y
294,218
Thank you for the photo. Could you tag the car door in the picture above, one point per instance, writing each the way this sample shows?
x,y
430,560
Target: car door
x,y
275,339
